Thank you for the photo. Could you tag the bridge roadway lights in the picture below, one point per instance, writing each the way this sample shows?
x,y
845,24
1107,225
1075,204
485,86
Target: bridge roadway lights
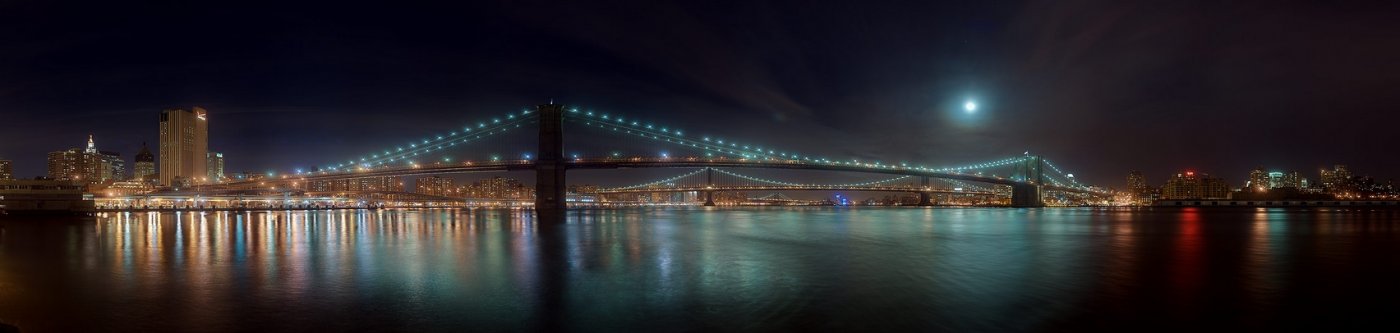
x,y
1026,196
550,204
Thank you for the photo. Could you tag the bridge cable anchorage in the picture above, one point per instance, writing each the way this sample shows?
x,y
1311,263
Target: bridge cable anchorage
x,y
658,133
467,134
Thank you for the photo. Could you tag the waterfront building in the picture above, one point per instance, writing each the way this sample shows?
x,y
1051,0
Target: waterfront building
x,y
583,189
1190,185
7,170
144,168
215,164
44,196
434,185
368,184
497,188
125,188
386,184
184,144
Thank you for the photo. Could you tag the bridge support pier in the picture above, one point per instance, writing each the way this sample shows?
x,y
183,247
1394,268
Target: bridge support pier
x,y
709,183
550,200
1026,195
925,197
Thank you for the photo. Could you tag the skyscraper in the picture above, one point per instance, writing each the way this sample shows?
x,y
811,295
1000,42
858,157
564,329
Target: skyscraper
x,y
113,166
91,147
145,167
86,164
1336,180
1292,180
1275,179
74,164
1258,180
7,171
1137,183
184,144
215,163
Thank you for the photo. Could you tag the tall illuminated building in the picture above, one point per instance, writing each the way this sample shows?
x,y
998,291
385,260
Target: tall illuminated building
x,y
184,145
1137,183
1336,180
145,167
1259,180
1292,180
85,164
7,171
75,164
1275,179
65,165
215,164
113,166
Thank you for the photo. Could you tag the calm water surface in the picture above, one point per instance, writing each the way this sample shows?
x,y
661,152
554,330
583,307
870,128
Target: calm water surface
x,y
781,269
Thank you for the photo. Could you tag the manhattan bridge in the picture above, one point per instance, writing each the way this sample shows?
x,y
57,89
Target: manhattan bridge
x,y
715,165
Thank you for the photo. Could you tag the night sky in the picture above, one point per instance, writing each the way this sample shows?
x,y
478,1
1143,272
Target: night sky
x,y
1099,87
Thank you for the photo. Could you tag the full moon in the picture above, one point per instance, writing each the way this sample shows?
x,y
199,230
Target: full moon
x,y
970,107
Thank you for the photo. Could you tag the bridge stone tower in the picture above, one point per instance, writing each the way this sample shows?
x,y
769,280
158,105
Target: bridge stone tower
x,y
550,200
925,197
1028,193
709,183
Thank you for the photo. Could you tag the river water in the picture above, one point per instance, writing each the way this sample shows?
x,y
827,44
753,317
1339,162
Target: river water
x,y
675,270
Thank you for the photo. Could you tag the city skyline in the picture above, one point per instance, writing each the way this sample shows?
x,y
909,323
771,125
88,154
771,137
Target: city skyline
x,y
1230,175
277,96
697,166
119,172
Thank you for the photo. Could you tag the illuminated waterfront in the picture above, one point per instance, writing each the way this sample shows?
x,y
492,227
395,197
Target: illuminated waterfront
x,y
678,269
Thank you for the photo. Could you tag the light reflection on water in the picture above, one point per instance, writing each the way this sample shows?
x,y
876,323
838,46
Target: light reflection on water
x,y
814,269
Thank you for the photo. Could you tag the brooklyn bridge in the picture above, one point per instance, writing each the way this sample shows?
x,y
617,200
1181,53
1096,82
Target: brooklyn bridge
x,y
713,165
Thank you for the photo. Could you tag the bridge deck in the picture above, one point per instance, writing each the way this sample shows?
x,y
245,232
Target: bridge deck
x,y
644,162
